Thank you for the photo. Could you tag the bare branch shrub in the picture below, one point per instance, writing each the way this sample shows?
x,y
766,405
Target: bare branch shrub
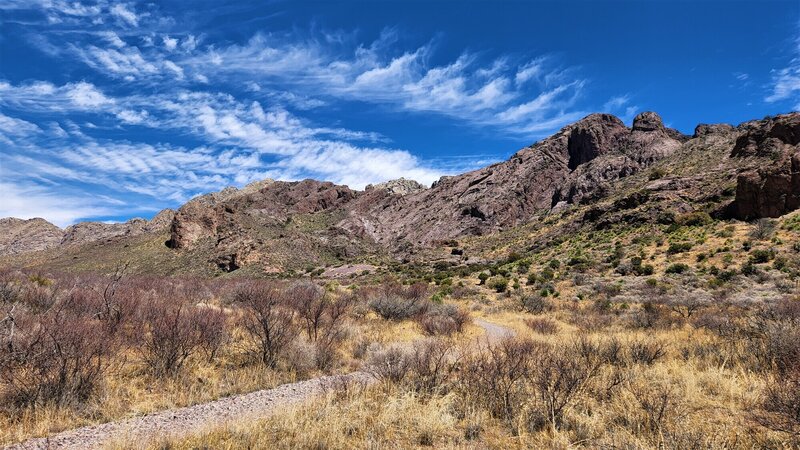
x,y
58,357
268,319
542,325
170,337
443,320
394,302
391,365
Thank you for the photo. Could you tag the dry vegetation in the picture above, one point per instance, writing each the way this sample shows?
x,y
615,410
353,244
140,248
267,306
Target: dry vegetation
x,y
679,336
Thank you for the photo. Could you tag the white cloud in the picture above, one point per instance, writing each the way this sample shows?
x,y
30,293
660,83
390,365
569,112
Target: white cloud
x,y
86,95
126,15
26,201
170,43
495,93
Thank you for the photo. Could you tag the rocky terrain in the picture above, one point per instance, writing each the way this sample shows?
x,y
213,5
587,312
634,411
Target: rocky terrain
x,y
607,172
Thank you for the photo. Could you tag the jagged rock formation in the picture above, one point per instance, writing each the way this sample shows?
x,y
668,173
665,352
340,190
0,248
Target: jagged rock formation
x,y
400,186
771,189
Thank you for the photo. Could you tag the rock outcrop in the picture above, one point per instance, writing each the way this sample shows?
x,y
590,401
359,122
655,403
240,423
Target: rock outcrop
x,y
21,236
773,187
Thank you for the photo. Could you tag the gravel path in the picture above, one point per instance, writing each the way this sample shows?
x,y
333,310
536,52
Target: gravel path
x,y
185,421
494,332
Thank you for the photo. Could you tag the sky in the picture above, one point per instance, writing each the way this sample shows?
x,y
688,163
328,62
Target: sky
x,y
117,109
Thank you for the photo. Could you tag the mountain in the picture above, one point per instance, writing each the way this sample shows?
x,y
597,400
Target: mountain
x,y
595,173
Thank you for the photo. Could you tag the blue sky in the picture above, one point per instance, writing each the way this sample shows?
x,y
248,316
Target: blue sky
x,y
111,110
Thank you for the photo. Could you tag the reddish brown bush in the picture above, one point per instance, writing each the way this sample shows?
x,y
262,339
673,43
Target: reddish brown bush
x,y
171,335
58,357
268,319
443,320
542,325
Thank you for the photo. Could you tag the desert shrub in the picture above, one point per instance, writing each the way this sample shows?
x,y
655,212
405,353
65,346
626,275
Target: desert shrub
x,y
495,377
559,379
172,334
542,325
498,283
760,256
482,277
535,303
397,308
650,315
763,229
679,247
694,219
780,404
432,364
676,268
391,365
661,402
212,333
443,319
268,319
773,333
646,352
57,357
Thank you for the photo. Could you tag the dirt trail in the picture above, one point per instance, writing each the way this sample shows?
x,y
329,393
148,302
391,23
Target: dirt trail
x,y
184,421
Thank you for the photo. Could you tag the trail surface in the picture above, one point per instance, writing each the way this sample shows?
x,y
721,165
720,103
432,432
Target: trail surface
x,y
192,419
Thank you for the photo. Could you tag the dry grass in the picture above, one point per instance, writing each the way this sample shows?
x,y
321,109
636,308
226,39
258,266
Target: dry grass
x,y
702,392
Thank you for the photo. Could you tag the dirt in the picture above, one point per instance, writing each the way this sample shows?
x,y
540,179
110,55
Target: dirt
x,y
191,419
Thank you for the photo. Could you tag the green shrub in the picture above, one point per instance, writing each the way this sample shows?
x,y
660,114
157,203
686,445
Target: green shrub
x,y
499,284
694,219
677,268
679,247
761,256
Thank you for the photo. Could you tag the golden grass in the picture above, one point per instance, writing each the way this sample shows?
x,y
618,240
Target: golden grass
x,y
710,404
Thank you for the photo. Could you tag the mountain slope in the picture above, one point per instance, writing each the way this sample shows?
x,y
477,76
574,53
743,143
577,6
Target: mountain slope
x,y
600,171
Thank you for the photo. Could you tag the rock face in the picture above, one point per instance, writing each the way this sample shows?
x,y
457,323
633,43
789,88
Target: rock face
x,y
400,186
773,188
21,236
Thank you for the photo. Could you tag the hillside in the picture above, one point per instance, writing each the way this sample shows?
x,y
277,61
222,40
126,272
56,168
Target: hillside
x,y
592,174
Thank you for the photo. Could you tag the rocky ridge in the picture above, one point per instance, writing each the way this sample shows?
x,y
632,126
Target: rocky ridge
x,y
645,173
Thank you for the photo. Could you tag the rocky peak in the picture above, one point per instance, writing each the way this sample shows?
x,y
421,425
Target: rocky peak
x,y
400,186
706,129
593,136
647,121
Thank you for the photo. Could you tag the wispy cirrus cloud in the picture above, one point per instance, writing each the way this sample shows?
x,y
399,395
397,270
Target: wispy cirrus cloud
x,y
528,96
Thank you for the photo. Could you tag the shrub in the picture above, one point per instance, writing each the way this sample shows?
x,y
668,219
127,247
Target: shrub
x,y
432,364
399,304
676,268
535,303
172,335
761,256
391,365
483,276
498,283
56,358
694,219
646,352
781,404
542,325
679,247
763,229
443,319
267,319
